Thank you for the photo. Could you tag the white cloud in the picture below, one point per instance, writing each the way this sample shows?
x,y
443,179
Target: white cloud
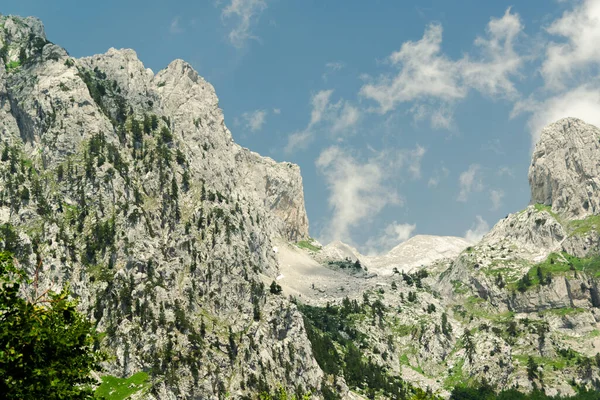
x,y
175,26
276,111
246,12
581,102
496,198
255,119
357,190
491,75
435,82
340,117
393,235
469,181
319,101
477,231
298,141
424,72
345,119
580,29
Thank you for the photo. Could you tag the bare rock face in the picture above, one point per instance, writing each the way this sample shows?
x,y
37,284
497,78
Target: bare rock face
x,y
565,168
533,233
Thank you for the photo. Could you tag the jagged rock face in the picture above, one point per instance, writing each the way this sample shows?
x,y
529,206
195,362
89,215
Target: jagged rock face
x,y
532,233
193,108
129,186
565,168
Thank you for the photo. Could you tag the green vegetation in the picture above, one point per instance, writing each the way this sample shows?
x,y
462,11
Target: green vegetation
x,y
348,265
113,388
486,392
542,207
337,347
45,344
557,264
308,245
13,65
281,394
584,226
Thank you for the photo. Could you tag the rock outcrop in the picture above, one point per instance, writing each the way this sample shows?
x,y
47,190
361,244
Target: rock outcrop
x,y
565,168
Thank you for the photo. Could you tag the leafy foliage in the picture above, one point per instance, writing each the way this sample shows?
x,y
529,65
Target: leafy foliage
x,y
46,345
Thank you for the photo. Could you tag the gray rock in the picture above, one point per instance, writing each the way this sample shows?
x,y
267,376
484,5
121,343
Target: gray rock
x,y
565,168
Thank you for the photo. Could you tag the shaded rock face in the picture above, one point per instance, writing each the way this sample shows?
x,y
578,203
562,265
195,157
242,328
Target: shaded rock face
x,y
565,168
129,186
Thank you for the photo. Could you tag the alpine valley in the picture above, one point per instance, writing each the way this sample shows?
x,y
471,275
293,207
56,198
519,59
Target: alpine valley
x,y
191,255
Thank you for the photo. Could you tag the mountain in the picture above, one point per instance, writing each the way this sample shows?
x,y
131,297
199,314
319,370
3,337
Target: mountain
x,y
191,254
418,251
128,186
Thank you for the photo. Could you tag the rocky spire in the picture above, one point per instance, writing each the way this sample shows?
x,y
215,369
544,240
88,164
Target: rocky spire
x,y
565,168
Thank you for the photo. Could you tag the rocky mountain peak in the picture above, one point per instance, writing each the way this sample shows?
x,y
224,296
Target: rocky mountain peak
x,y
565,168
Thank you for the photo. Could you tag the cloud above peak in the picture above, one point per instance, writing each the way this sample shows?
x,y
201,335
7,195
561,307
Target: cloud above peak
x,y
425,75
255,119
578,51
245,13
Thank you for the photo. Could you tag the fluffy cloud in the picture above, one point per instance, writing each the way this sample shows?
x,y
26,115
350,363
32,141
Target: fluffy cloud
x,y
255,119
392,236
246,12
337,118
496,199
320,102
469,181
345,118
477,231
298,141
491,74
580,29
357,190
434,81
581,102
423,72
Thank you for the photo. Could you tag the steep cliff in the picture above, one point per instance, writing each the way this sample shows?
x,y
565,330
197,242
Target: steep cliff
x,y
128,186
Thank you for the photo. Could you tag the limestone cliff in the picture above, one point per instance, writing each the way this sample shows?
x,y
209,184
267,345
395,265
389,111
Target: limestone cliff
x,y
128,185
565,168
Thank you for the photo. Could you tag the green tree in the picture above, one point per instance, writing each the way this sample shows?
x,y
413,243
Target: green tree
x,y
532,369
275,288
469,345
46,345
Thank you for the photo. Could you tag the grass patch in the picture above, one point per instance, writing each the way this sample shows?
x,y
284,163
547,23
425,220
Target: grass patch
x,y
542,207
561,312
13,65
557,264
113,388
455,375
582,227
308,245
458,287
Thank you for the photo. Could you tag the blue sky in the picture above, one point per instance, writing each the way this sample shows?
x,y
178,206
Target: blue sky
x,y
406,117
